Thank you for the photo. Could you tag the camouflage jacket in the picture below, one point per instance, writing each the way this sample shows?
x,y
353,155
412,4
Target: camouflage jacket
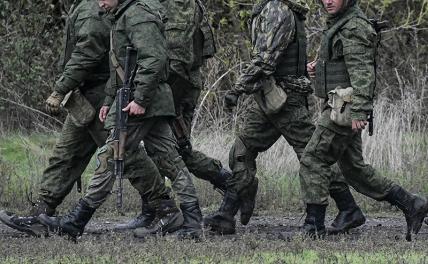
x,y
139,24
84,61
355,43
271,32
189,37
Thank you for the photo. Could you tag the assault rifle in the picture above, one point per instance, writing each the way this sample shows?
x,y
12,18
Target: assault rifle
x,y
121,131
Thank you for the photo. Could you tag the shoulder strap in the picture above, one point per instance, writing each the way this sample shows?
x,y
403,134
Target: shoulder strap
x,y
114,62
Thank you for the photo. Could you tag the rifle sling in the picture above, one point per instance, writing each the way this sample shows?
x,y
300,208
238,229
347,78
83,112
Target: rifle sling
x,y
114,61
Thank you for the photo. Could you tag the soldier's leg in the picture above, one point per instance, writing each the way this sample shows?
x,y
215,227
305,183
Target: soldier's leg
x,y
186,96
365,179
296,126
257,135
71,155
161,146
322,151
102,183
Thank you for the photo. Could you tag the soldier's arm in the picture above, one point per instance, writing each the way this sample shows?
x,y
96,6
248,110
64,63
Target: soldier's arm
x,y
275,29
91,48
152,60
110,93
359,52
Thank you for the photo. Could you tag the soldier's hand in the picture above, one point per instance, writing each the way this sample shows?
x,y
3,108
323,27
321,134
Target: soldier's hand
x,y
231,99
134,109
53,103
103,113
310,67
358,125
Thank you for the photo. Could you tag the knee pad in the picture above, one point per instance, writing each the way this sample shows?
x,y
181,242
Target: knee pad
x,y
241,158
104,159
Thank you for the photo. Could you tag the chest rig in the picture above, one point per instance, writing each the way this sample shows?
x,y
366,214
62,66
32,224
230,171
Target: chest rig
x,y
332,72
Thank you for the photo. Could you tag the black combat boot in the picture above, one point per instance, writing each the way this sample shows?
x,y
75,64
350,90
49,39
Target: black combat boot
x,y
144,219
248,201
349,216
72,224
191,228
168,220
28,224
219,181
415,208
314,222
223,221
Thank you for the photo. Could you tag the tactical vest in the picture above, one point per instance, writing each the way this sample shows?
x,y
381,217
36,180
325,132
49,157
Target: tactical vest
x,y
293,60
331,73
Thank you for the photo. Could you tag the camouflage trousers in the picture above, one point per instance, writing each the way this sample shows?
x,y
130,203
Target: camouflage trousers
x,y
261,131
186,96
328,145
143,172
71,155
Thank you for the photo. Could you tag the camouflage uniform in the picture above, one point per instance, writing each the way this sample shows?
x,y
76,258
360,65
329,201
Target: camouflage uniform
x,y
190,42
84,62
347,59
279,50
160,143
132,22
353,44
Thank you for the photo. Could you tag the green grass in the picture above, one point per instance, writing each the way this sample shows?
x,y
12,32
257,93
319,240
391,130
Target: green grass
x,y
24,157
302,257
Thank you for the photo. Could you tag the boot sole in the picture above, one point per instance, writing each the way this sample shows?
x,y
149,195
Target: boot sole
x,y
5,219
336,231
172,226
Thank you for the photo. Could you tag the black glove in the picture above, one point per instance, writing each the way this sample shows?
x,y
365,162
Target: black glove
x,y
231,99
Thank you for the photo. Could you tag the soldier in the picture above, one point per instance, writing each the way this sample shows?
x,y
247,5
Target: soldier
x,y
84,64
190,41
347,60
149,110
276,78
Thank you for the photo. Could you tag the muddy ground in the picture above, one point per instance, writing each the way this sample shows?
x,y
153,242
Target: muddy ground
x,y
264,239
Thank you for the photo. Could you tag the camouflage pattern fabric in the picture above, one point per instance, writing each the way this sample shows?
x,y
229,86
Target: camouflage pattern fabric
x,y
85,66
84,61
186,42
272,30
140,19
134,20
185,100
139,168
71,154
327,147
331,143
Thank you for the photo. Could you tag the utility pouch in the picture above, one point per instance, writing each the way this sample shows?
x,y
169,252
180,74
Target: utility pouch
x,y
79,108
272,97
340,102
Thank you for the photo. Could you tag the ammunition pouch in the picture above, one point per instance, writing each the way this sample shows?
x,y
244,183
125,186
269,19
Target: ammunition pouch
x,y
79,108
340,102
272,97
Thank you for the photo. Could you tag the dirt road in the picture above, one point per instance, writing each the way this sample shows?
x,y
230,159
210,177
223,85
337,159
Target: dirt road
x,y
265,238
